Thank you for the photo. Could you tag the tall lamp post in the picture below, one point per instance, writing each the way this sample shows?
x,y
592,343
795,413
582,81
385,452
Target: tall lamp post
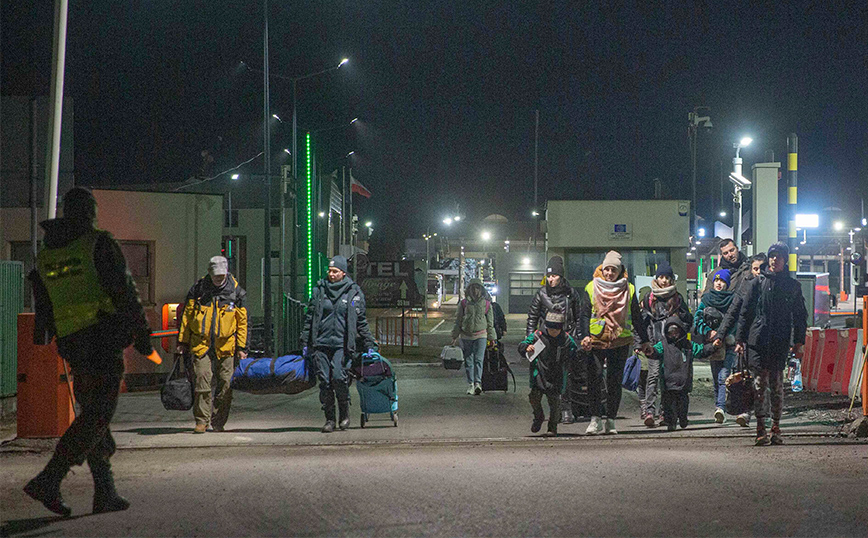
x,y
427,237
695,121
740,183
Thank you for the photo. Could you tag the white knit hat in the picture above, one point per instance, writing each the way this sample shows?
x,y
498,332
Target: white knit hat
x,y
612,259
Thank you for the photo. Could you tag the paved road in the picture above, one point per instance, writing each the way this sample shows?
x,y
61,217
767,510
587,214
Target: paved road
x,y
603,486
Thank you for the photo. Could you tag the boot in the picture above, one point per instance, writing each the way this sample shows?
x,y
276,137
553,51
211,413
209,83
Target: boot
x,y
776,438
567,417
105,496
762,438
45,487
535,399
327,398
343,394
554,413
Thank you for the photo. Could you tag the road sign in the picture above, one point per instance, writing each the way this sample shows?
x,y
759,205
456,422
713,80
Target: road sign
x,y
391,284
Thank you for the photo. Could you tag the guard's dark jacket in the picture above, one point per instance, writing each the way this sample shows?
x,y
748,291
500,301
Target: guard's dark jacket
x,y
773,315
569,301
335,317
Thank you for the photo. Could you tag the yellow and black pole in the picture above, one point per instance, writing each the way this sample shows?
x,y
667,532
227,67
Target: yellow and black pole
x,y
792,198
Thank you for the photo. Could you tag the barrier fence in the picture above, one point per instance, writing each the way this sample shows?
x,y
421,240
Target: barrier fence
x,y
835,361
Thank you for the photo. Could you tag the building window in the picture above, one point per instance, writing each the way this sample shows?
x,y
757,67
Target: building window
x,y
140,261
524,283
230,218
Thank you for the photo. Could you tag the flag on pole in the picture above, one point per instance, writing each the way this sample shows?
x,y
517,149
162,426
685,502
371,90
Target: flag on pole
x,y
358,188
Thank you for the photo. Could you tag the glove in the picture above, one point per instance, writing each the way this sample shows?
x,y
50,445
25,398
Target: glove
x,y
304,351
371,351
142,341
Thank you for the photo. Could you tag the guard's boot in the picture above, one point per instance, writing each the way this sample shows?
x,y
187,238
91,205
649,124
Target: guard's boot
x,y
342,392
105,496
327,397
45,487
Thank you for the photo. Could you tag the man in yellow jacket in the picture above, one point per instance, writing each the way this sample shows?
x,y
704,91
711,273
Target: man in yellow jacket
x,y
213,330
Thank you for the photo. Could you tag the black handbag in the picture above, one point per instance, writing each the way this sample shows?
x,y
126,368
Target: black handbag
x,y
739,389
176,394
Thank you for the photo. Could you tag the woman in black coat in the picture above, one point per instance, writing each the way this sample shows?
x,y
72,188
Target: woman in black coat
x,y
559,295
772,323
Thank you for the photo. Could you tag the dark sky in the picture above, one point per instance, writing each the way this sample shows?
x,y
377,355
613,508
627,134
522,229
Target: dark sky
x,y
447,92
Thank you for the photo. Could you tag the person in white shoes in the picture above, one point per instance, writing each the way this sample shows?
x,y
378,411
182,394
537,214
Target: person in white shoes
x,y
616,325
474,327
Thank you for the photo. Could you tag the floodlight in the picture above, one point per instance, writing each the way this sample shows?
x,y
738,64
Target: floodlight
x,y
807,220
235,176
839,225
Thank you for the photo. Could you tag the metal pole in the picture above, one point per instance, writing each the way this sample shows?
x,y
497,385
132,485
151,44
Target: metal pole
x,y
266,284
792,199
736,166
231,254
52,162
536,163
294,159
427,269
34,178
692,133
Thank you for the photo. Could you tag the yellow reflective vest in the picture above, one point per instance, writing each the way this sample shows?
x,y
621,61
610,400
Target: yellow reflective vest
x,y
70,277
598,324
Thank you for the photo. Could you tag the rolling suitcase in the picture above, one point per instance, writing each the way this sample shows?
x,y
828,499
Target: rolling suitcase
x,y
496,371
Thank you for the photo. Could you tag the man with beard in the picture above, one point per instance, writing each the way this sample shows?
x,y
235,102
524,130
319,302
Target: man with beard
x,y
734,260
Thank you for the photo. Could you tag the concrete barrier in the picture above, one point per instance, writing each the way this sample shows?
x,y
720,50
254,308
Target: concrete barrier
x,y
824,364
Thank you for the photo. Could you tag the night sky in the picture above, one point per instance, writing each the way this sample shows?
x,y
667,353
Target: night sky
x,y
446,92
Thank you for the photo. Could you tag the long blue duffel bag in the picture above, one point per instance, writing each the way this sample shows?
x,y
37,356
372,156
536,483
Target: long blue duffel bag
x,y
283,375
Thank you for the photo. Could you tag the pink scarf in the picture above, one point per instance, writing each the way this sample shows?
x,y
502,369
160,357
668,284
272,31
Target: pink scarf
x,y
610,302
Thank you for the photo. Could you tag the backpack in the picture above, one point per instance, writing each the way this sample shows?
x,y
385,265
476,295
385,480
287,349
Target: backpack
x,y
487,305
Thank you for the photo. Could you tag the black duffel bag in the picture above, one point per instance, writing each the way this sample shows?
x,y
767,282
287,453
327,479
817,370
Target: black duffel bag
x,y
177,392
739,389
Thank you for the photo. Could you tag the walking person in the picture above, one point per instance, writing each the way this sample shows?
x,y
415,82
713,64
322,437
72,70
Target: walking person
x,y
474,327
616,327
677,354
213,332
333,324
85,296
547,370
730,320
557,293
772,323
709,315
733,259
663,302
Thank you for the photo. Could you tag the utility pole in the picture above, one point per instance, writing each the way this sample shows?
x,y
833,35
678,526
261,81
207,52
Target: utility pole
x,y
266,277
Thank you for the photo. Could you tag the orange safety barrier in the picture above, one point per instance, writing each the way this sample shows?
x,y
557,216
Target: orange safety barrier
x,y
45,407
843,368
809,356
825,367
865,363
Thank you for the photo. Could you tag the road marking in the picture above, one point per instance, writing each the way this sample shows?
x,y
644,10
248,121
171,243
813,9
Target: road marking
x,y
442,321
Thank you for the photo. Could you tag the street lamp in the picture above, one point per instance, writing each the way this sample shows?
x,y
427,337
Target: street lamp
x,y
740,183
486,236
695,121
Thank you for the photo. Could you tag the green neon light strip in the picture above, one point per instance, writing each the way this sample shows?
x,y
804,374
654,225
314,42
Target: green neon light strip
x,y
309,218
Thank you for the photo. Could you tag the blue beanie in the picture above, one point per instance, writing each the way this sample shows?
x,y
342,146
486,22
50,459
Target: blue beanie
x,y
664,269
723,274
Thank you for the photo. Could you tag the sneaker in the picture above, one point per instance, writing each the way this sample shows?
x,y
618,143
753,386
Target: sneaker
x,y
762,438
472,389
609,428
683,423
218,428
536,425
595,427
200,428
477,389
776,438
719,416
328,427
552,430
671,427
743,420
567,417
649,421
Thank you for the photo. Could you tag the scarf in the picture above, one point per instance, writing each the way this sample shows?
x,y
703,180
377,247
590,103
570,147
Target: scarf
x,y
668,294
610,302
334,290
725,264
718,299
661,292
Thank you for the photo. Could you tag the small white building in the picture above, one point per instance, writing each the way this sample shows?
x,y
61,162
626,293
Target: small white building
x,y
645,232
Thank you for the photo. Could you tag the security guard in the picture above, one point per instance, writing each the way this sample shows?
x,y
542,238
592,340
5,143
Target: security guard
x,y
85,296
213,330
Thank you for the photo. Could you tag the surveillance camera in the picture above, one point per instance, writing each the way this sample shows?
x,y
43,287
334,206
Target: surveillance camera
x,y
739,180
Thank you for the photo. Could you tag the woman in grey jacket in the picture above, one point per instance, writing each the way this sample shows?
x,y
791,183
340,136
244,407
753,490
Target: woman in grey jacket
x,y
475,327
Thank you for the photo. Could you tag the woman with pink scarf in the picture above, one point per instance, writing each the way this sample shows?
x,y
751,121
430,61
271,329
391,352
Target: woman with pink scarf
x,y
617,326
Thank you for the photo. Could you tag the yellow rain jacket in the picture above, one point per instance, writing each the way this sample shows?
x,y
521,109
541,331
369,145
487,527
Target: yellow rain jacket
x,y
215,318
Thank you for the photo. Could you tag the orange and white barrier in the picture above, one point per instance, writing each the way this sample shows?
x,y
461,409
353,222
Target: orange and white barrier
x,y
833,360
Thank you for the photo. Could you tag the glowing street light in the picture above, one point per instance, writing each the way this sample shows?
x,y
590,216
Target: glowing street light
x,y
236,176
447,221
839,225
368,224
486,236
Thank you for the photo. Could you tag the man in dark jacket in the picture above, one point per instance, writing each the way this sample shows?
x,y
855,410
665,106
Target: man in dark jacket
x,y
85,296
734,260
558,292
772,323
335,319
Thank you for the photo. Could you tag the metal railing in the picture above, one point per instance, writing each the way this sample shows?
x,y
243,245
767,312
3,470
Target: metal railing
x,y
293,322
